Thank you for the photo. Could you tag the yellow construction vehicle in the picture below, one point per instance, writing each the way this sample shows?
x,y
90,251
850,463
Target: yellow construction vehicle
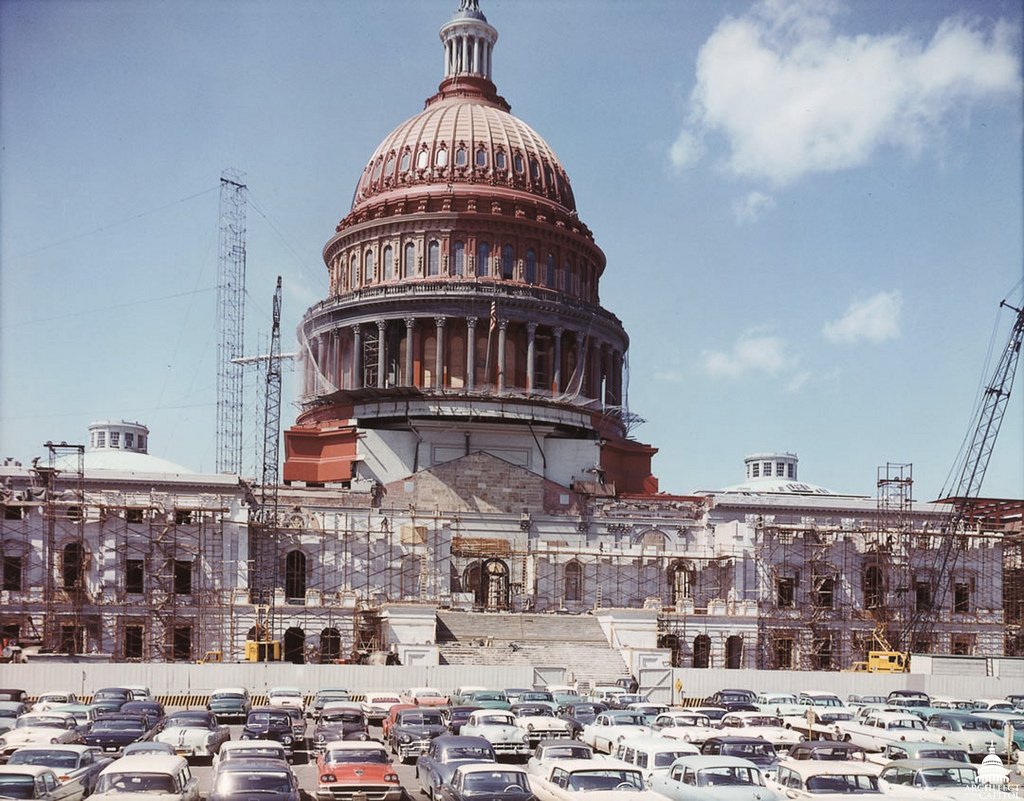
x,y
882,658
262,650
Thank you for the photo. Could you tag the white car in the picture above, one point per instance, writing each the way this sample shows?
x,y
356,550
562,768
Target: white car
x,y
611,726
653,755
827,709
72,762
937,779
758,724
149,777
548,751
376,705
46,701
605,779
877,729
258,749
780,704
34,728
713,778
690,727
823,780
37,781
140,692
499,728
539,722
286,696
194,733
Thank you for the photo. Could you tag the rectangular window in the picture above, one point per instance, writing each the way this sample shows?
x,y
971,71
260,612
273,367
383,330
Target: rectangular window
x,y
755,470
142,442
785,591
962,644
961,597
182,577
12,573
115,439
823,653
183,516
101,439
780,469
181,644
14,512
129,440
767,468
824,591
134,576
783,653
790,473
133,515
923,595
133,642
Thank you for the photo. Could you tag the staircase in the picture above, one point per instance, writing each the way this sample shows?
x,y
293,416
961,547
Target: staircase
x,y
575,642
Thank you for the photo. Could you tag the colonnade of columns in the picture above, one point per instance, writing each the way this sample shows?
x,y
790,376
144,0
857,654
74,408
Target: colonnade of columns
x,y
557,360
467,54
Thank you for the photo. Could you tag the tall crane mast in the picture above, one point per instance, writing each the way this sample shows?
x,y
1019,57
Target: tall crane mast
x,y
969,476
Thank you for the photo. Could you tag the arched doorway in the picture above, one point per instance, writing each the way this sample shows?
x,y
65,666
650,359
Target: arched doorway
x,y
681,580
295,645
72,566
330,645
702,651
671,643
734,652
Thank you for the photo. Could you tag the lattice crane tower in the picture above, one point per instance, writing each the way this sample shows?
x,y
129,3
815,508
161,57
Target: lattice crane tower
x,y
230,320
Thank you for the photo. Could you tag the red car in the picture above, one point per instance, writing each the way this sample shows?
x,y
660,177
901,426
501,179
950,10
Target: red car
x,y
347,767
389,721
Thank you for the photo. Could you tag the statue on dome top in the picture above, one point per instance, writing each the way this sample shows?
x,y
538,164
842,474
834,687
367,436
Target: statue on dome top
x,y
469,5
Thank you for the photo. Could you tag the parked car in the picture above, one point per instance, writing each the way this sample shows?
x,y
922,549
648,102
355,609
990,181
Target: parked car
x,y
652,754
968,732
36,782
347,767
377,704
326,695
480,782
151,776
413,730
435,768
230,703
827,708
760,752
499,728
269,723
780,704
732,699
997,721
538,720
937,779
611,726
610,779
194,733
689,726
828,751
140,692
877,729
579,713
148,747
51,698
424,696
487,699
153,711
110,734
389,721
71,762
286,696
111,699
340,721
713,778
458,715
818,780
538,697
758,724
908,698
34,728
251,749
248,779
991,705
11,694
85,714
919,750
548,751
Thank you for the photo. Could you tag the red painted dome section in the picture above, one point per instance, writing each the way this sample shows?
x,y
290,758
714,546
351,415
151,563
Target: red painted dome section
x,y
465,135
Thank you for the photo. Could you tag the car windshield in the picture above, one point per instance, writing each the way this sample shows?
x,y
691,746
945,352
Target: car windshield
x,y
489,697
663,759
608,779
185,722
339,756
728,775
689,720
761,720
256,752
535,711
490,783
749,750
244,781
342,717
49,759
267,719
907,723
953,754
427,694
950,777
284,692
494,720
383,699
135,783
843,783
568,752
102,725
476,753
628,720
536,696
824,700
28,722
420,719
227,697
17,785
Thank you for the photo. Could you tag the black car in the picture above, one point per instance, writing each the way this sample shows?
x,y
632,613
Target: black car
x,y
340,722
760,752
245,779
153,710
579,714
458,715
229,704
734,700
828,750
112,732
413,730
269,723
111,699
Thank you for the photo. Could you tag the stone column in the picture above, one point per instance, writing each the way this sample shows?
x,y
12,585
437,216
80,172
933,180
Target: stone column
x,y
502,326
531,340
606,370
409,323
318,381
617,376
357,357
439,353
381,329
556,380
470,352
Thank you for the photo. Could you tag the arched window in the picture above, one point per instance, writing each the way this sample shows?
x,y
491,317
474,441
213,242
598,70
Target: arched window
x,y
549,279
702,651
563,282
422,160
441,159
481,158
433,258
389,166
681,579
508,262
517,162
353,272
409,262
530,272
404,165
295,575
389,264
460,157
874,591
330,645
459,259
734,652
368,267
483,256
574,581
72,566
499,160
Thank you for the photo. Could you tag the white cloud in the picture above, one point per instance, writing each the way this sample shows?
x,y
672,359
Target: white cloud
x,y
753,352
798,381
791,96
876,319
752,207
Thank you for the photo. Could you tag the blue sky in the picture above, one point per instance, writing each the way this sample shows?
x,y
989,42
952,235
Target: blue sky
x,y
810,210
